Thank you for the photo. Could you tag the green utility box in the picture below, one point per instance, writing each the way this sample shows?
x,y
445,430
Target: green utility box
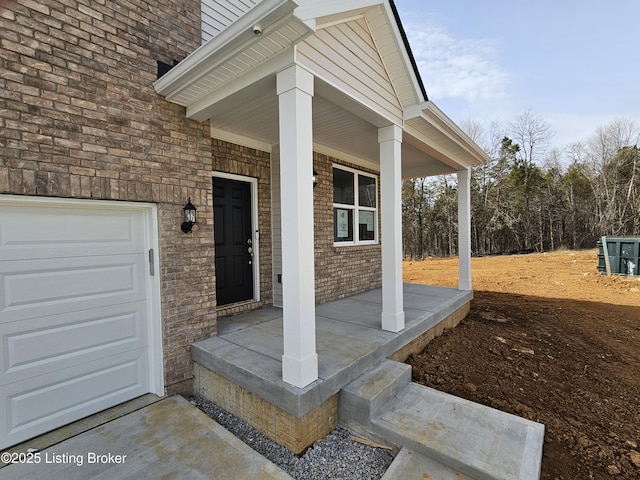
x,y
623,253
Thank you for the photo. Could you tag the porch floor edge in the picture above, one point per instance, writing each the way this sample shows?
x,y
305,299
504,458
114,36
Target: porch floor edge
x,y
349,341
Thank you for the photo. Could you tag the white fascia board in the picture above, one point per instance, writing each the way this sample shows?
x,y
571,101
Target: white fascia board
x,y
434,149
420,172
429,112
235,38
455,132
317,9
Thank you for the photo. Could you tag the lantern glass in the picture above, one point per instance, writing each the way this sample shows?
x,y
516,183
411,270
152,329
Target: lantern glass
x,y
189,217
190,212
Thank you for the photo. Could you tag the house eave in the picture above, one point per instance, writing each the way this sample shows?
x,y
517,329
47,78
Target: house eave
x,y
428,121
183,82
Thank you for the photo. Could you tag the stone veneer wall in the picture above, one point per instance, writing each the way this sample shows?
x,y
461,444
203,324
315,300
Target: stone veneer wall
x,y
79,119
340,271
282,427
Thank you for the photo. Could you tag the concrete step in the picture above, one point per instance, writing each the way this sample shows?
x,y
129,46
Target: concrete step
x,y
410,465
363,398
479,441
456,435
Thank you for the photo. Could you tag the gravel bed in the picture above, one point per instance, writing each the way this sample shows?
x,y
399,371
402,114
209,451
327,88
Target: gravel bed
x,y
335,456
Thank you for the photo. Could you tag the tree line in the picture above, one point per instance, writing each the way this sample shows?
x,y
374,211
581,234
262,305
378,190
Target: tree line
x,y
530,196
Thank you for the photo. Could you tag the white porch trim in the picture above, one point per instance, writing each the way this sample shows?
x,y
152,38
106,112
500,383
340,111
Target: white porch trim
x,y
464,229
295,94
390,140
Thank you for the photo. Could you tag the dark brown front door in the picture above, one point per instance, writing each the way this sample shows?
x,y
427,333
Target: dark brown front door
x,y
232,230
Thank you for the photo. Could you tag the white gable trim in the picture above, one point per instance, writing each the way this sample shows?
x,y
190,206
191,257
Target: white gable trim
x,y
428,124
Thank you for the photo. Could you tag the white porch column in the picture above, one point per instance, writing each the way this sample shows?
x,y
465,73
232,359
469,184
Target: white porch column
x,y
390,139
300,360
464,229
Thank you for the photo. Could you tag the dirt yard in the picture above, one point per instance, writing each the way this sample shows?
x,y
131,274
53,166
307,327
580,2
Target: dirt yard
x,y
550,339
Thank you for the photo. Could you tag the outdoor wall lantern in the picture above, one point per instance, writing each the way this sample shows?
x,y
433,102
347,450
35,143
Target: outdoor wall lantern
x,y
189,217
315,178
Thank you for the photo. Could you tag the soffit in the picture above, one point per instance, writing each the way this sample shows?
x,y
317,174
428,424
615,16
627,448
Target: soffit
x,y
234,52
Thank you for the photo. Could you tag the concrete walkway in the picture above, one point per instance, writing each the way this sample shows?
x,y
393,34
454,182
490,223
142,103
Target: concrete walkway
x,y
170,439
442,436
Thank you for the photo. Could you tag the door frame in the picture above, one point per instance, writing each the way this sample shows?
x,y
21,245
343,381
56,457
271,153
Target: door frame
x,y
255,232
150,227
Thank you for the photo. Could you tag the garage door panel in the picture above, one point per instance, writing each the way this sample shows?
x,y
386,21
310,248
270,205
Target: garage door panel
x,y
32,288
45,344
45,231
76,306
34,406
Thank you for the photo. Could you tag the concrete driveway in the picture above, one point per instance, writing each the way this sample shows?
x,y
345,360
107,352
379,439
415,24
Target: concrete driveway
x,y
165,440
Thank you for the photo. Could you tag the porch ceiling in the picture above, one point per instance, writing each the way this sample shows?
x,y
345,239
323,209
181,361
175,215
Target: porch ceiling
x,y
341,128
231,81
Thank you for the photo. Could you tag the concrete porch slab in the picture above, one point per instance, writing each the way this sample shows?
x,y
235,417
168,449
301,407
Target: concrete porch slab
x,y
349,341
168,439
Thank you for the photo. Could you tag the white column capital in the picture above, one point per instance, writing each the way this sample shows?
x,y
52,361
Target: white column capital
x,y
464,174
294,77
390,132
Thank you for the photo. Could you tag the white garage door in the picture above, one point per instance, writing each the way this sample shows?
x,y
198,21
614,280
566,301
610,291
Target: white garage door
x,y
75,291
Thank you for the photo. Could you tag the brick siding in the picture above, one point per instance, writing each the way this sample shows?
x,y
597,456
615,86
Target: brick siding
x,y
340,271
248,162
79,118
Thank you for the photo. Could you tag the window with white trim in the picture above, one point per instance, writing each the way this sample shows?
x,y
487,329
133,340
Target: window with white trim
x,y
355,207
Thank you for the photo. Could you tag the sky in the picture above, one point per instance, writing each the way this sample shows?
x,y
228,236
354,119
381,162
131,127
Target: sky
x,y
574,63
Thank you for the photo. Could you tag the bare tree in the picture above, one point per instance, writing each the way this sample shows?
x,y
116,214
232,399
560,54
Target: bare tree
x,y
533,135
612,173
529,195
